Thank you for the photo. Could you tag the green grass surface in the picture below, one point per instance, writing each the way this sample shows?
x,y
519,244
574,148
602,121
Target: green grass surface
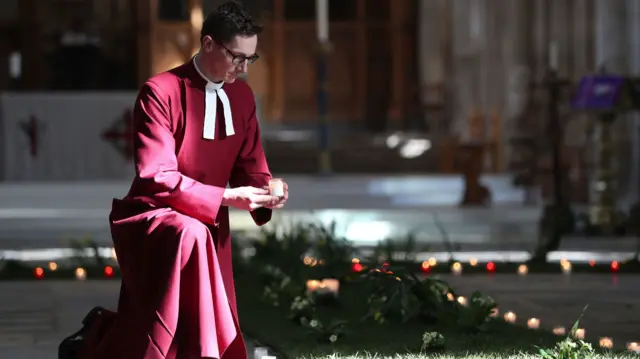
x,y
270,326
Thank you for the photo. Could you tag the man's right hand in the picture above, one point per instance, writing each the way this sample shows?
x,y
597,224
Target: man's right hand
x,y
247,198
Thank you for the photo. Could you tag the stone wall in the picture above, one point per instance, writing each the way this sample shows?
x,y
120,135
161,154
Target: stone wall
x,y
492,56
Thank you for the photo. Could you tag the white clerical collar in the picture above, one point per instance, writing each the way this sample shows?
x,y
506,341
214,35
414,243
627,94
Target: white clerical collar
x,y
213,91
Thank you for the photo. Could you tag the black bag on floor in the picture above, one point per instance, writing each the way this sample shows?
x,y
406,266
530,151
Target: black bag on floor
x,y
71,345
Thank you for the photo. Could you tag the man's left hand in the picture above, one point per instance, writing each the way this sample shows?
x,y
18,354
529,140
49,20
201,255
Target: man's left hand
x,y
279,203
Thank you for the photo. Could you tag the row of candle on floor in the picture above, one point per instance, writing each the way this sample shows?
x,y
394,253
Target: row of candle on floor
x,y
565,267
534,323
457,267
330,286
80,273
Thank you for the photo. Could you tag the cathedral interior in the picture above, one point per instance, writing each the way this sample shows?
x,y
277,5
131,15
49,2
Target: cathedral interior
x,y
468,80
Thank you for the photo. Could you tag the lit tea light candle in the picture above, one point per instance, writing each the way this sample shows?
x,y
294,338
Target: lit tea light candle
x,y
523,270
510,317
456,268
606,343
533,323
462,300
325,286
53,266
330,285
432,261
450,297
81,274
312,285
276,187
579,334
559,331
566,267
473,262
633,347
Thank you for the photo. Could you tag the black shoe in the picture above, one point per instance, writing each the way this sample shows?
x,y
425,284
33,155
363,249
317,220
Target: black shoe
x,y
71,345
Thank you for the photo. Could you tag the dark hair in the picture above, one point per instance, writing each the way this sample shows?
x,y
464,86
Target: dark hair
x,y
227,21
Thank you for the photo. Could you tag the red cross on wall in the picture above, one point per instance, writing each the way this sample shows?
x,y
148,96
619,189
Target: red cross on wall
x,y
120,135
32,130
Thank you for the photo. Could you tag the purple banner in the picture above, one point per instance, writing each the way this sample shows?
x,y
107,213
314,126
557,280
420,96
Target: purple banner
x,y
601,92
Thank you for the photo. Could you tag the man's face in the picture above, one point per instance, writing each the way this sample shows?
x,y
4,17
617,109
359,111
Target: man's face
x,y
228,61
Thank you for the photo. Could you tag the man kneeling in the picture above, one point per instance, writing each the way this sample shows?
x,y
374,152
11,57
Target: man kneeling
x,y
195,132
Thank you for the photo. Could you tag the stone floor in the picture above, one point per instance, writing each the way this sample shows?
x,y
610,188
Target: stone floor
x,y
366,208
558,300
35,316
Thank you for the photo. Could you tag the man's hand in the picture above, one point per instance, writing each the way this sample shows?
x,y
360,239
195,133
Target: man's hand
x,y
280,201
248,198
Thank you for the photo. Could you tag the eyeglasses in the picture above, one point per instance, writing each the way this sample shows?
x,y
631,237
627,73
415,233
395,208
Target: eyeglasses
x,y
240,59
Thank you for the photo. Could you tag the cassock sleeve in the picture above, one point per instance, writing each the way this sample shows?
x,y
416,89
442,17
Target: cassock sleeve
x,y
251,167
157,165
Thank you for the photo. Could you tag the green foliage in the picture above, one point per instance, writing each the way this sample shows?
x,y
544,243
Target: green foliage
x,y
570,348
279,288
329,331
284,251
390,296
475,316
328,254
432,341
393,294
332,251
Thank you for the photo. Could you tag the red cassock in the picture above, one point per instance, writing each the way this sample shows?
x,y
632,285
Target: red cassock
x,y
170,232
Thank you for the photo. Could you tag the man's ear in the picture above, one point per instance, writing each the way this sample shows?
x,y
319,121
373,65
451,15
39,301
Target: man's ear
x,y
207,43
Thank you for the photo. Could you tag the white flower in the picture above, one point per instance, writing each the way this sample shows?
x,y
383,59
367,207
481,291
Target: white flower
x,y
333,338
313,323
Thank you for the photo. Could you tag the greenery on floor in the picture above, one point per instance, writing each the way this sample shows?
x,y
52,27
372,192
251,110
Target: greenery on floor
x,y
321,308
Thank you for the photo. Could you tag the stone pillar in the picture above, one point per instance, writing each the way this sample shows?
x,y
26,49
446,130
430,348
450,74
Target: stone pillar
x,y
633,29
582,44
561,21
468,39
516,42
540,37
611,39
611,51
433,32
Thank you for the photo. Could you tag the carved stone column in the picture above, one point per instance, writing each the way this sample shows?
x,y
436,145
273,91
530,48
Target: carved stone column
x,y
633,29
433,47
468,39
611,51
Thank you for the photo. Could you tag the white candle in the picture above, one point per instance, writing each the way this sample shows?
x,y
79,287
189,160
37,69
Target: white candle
x,y
559,331
606,343
276,187
633,347
456,268
312,285
322,20
510,317
533,323
81,274
331,285
523,270
553,55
